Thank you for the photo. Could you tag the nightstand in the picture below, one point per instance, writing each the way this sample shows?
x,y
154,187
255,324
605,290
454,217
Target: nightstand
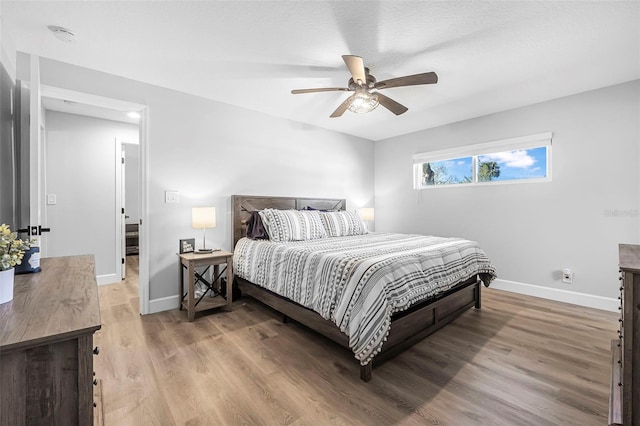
x,y
191,261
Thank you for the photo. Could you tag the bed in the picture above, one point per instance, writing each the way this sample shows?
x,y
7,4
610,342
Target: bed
x,y
392,321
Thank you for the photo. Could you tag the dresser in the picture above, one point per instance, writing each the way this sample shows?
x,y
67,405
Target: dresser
x,y
624,402
46,345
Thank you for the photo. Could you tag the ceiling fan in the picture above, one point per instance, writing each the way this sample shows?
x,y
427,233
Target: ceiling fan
x,y
367,97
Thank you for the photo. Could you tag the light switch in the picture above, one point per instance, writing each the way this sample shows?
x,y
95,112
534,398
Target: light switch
x,y
51,199
171,197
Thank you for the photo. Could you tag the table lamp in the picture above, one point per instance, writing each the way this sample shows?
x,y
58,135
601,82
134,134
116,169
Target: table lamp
x,y
203,217
367,214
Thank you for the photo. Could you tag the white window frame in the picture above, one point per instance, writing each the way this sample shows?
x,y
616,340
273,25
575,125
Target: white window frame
x,y
525,142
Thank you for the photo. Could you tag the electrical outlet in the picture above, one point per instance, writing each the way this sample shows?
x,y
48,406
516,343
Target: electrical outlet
x,y
567,276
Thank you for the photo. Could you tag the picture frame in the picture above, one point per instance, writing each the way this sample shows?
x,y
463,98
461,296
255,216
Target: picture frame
x,y
187,245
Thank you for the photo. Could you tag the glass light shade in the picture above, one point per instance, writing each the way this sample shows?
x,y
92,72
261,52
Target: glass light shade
x,y
203,217
367,214
362,101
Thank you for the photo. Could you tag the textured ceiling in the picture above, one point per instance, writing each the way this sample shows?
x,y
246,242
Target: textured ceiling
x,y
489,56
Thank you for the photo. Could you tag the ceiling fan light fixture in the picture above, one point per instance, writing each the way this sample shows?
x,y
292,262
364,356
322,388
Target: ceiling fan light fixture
x,y
363,101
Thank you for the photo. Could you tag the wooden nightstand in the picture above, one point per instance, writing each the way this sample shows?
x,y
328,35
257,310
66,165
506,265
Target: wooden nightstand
x,y
190,261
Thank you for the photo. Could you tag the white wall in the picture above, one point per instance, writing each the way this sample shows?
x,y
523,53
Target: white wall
x,y
208,151
81,171
532,231
7,49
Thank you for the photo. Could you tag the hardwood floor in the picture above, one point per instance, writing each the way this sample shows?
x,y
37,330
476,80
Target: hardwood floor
x,y
517,361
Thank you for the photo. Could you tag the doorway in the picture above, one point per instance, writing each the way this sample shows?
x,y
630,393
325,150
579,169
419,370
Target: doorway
x,y
82,177
85,162
130,198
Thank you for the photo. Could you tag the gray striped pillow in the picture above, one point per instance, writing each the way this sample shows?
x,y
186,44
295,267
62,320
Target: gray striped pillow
x,y
292,225
347,222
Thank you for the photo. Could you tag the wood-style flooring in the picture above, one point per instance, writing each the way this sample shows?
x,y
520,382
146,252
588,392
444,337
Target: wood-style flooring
x,y
517,361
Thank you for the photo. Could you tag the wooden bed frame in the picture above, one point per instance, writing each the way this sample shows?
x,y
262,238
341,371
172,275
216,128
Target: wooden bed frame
x,y
407,328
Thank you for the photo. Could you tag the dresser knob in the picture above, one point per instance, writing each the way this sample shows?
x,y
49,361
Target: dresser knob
x,y
95,405
620,278
96,350
619,297
95,382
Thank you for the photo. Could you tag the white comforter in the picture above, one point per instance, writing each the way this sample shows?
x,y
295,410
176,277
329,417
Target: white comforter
x,y
359,282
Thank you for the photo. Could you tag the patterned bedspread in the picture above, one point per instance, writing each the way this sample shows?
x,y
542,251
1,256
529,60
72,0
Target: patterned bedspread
x,y
359,282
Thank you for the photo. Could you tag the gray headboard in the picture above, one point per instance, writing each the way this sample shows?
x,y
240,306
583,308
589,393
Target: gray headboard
x,y
243,205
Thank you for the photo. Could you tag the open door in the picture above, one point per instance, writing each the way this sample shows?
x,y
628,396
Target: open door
x,y
30,156
123,216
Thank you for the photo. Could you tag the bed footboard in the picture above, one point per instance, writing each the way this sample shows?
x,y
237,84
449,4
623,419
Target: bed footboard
x,y
407,328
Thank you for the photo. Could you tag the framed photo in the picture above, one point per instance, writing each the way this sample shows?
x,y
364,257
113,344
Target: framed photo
x,y
188,245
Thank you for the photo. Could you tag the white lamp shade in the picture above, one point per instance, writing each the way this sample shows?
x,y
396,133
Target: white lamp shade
x,y
203,217
367,214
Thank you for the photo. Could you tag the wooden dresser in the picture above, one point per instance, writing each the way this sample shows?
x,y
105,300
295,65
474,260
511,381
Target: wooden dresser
x,y
46,345
624,404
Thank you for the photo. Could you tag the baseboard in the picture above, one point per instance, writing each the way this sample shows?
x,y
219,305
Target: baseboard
x,y
108,279
582,299
164,304
588,300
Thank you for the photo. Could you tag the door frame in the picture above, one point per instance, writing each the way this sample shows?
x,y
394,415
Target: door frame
x,y
120,207
121,105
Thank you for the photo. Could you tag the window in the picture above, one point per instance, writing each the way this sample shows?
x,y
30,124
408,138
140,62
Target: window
x,y
447,172
525,159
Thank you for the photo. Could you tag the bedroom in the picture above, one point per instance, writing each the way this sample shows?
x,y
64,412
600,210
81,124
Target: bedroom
x,y
199,146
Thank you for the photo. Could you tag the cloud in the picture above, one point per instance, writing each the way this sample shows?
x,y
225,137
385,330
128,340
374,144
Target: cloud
x,y
518,159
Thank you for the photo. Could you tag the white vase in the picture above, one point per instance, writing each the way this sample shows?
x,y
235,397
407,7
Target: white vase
x,y
6,285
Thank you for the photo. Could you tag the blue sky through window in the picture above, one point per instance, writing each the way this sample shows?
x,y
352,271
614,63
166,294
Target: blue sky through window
x,y
520,164
457,170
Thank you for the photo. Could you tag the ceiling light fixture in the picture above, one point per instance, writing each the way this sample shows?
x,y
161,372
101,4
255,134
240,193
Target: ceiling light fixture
x,y
63,34
363,101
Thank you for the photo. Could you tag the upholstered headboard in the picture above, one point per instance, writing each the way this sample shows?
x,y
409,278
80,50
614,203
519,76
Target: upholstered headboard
x,y
243,205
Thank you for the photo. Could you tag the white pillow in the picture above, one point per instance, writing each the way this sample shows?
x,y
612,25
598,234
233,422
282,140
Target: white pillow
x,y
341,223
292,225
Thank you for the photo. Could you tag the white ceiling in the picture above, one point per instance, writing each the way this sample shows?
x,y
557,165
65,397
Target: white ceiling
x,y
489,55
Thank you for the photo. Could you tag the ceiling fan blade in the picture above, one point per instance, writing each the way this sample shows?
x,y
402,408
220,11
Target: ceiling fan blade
x,y
391,105
323,89
409,80
341,108
356,67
